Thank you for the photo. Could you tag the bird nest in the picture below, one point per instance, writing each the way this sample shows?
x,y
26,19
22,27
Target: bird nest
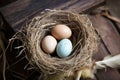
x,y
84,41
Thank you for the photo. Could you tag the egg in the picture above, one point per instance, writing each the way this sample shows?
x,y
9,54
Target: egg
x,y
64,48
49,44
61,31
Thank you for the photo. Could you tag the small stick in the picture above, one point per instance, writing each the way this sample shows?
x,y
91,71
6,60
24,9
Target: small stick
x,y
106,14
78,75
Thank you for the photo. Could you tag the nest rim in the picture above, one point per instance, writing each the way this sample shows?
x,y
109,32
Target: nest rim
x,y
39,59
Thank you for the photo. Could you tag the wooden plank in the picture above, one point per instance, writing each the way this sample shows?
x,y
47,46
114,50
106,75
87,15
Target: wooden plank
x,y
110,40
5,2
19,11
109,74
114,9
108,33
106,29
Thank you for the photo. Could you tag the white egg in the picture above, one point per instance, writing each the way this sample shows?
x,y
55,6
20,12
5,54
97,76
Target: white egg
x,y
49,44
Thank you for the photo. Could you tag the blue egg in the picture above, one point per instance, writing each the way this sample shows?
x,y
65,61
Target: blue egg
x,y
64,48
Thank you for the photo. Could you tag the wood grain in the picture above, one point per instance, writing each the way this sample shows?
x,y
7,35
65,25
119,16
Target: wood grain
x,y
109,44
109,74
114,9
108,33
19,11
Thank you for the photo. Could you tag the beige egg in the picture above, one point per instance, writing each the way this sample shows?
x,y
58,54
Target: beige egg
x,y
49,44
61,31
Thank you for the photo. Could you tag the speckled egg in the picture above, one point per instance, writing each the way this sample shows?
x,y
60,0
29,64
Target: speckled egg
x,y
61,31
64,48
49,44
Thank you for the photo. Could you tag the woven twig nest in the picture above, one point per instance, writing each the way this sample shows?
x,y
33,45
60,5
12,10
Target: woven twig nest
x,y
84,41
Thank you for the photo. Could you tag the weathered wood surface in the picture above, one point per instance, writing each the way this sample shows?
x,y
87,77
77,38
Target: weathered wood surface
x,y
114,9
108,74
19,11
16,14
110,40
108,33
